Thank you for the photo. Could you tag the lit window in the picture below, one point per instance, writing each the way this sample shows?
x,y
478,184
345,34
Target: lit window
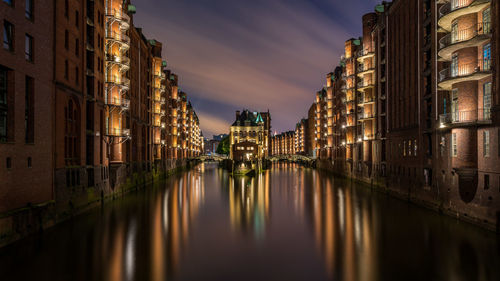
x,y
9,2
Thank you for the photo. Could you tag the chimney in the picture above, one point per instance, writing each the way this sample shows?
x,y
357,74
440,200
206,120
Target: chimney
x,y
237,114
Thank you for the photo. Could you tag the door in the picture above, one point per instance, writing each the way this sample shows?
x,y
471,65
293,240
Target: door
x,y
486,57
486,100
486,21
454,105
454,66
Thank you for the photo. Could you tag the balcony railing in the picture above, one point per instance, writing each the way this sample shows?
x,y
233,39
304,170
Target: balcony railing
x,y
118,14
465,34
365,52
465,116
118,36
452,6
363,68
365,115
119,132
364,84
464,70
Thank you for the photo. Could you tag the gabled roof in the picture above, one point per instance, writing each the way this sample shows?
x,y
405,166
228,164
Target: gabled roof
x,y
247,118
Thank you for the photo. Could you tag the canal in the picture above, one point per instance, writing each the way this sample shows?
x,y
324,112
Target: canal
x,y
289,223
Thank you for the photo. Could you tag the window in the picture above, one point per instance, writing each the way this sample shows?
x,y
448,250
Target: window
x,y
30,164
9,163
9,2
66,39
66,73
77,44
486,182
77,16
454,32
454,105
8,36
28,48
486,143
76,75
66,8
454,66
486,100
454,149
3,104
486,57
415,147
28,11
487,20
29,112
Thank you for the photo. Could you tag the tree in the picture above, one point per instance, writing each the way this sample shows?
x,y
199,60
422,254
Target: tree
x,y
223,147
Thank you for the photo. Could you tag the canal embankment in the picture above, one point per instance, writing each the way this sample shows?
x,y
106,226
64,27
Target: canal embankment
x,y
72,201
437,198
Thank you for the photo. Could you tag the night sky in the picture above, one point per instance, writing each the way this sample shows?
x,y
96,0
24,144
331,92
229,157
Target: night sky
x,y
255,54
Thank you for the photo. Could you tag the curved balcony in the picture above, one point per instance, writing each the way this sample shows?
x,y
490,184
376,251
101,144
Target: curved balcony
x,y
366,100
463,73
122,61
473,36
363,116
119,102
117,132
364,85
465,118
457,8
365,54
121,38
362,70
118,15
122,82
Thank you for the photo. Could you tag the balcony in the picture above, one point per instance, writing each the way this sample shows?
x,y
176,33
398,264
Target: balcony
x,y
464,72
457,8
365,69
365,100
122,61
364,116
117,132
118,14
473,36
121,38
465,118
363,85
122,82
365,54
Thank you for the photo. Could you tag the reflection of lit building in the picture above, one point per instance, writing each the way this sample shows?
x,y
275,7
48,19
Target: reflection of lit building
x,y
249,203
343,230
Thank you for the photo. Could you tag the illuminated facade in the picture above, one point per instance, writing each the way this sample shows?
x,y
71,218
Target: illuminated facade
x,y
248,127
117,84
301,137
284,143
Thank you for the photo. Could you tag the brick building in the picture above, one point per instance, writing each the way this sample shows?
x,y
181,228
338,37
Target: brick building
x,y
26,105
85,108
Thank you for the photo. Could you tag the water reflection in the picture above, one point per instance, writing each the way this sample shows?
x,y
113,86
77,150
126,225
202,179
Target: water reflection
x,y
289,223
249,204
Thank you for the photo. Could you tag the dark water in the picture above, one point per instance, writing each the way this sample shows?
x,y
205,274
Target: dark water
x,y
289,223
